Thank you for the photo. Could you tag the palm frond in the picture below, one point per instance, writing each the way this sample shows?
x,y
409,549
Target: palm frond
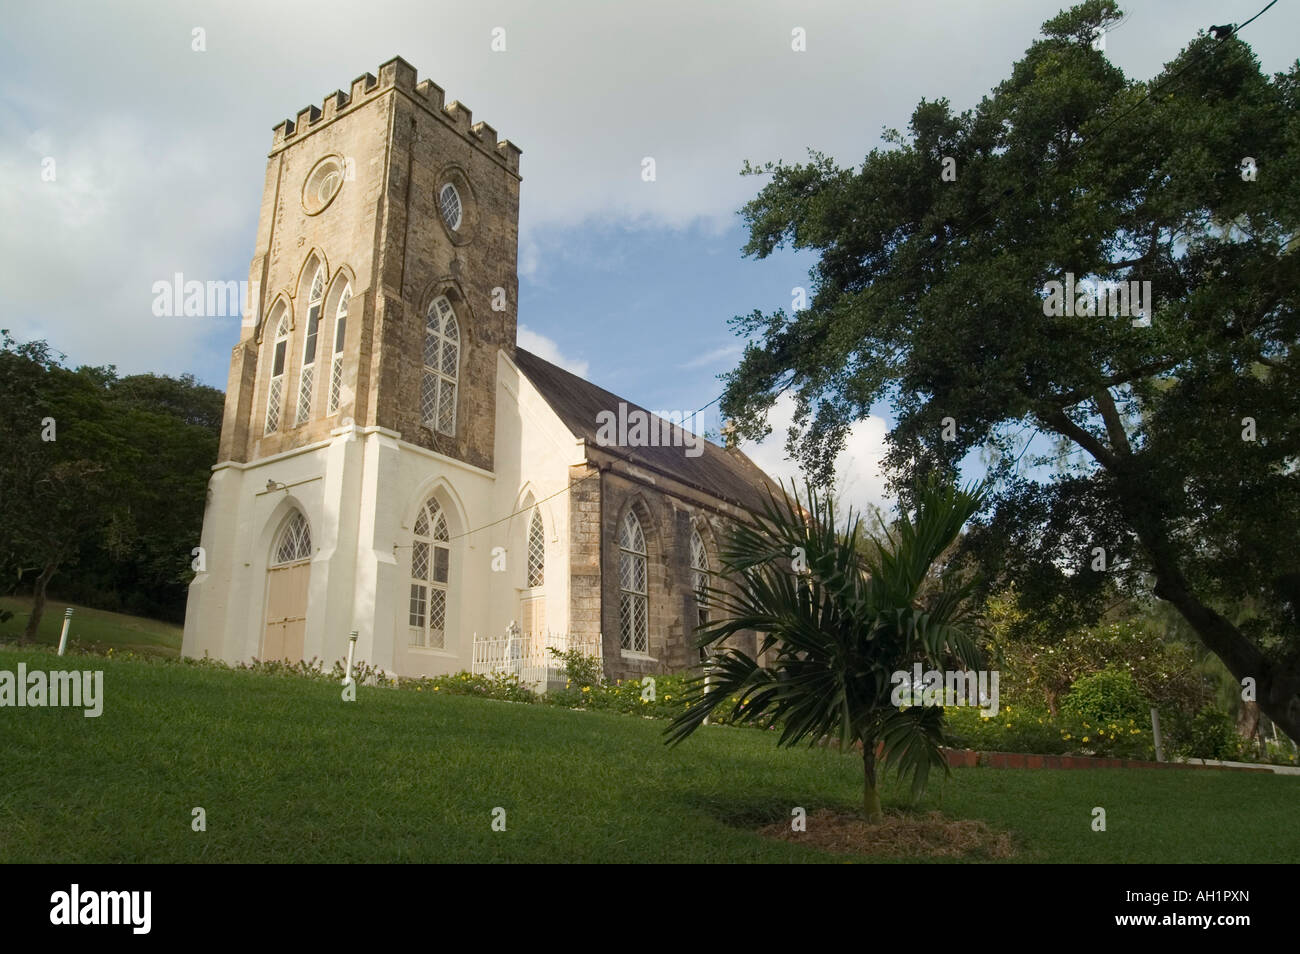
x,y
913,744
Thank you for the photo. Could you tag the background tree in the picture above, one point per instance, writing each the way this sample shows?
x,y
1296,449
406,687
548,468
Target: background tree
x,y
51,489
118,492
833,635
929,292
1043,668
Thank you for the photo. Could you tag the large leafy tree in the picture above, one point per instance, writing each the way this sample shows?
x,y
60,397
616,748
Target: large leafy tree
x,y
104,474
837,615
930,293
52,493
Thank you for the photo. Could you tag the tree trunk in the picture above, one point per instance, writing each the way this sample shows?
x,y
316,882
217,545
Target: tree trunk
x,y
1275,688
1277,685
38,602
870,795
1248,720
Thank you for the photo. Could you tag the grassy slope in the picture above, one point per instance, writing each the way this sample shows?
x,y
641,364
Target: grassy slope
x,y
94,627
288,772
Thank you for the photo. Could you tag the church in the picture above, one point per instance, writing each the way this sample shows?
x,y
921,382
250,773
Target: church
x,y
392,464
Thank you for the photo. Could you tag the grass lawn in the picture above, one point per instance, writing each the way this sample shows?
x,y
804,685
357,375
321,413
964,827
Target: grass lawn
x,y
94,627
286,771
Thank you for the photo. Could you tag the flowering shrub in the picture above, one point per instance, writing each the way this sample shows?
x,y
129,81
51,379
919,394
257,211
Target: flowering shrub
x,y
1034,731
628,696
579,668
364,673
1109,695
504,686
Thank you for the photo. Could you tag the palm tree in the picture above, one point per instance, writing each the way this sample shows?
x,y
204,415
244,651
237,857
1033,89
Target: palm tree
x,y
836,618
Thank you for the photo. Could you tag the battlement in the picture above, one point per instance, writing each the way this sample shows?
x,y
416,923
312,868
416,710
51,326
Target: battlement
x,y
397,74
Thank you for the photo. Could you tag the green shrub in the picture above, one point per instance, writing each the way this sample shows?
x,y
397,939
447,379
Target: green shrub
x,y
1105,697
579,668
629,696
1033,731
497,685
1011,730
1210,734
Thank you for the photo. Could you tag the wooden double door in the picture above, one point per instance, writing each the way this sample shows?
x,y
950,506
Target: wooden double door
x,y
286,611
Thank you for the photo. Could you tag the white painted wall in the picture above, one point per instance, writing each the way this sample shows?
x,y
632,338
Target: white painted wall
x,y
360,492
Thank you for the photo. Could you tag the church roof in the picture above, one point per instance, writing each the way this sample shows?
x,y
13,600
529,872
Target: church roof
x,y
723,472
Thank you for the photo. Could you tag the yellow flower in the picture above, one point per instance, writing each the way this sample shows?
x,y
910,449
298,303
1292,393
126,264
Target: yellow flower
x,y
1066,736
436,688
586,688
1085,738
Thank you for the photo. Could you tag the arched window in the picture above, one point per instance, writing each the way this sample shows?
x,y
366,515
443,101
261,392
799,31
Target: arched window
x,y
430,565
699,577
275,394
308,374
536,551
633,615
336,367
294,543
532,602
441,367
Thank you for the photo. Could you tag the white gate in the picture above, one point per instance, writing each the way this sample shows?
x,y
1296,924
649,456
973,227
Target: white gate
x,y
529,656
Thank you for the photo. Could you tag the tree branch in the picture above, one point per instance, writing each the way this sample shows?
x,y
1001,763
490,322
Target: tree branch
x,y
1068,399
1057,420
1114,426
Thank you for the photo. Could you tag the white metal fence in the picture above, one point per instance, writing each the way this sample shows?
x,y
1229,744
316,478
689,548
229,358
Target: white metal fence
x,y
529,655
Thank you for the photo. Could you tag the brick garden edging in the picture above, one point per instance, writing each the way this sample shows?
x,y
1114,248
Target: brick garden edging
x,y
969,758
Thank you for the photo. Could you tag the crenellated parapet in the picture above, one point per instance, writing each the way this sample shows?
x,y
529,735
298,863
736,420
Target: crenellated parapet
x,y
397,74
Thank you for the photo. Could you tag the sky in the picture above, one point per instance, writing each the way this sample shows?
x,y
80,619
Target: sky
x,y
159,154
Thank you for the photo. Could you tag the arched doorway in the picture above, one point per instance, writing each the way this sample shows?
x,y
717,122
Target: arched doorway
x,y
287,579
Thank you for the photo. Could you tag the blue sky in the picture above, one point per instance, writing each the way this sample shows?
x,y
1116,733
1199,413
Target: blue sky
x,y
160,151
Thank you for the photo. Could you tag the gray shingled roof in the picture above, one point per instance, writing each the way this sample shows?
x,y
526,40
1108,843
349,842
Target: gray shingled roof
x,y
726,473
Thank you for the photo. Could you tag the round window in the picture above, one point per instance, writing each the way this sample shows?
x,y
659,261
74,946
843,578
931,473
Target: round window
x,y
322,185
449,203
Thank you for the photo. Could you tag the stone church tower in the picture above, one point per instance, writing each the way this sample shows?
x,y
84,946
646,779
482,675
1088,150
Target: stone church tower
x,y
365,178
385,290
391,463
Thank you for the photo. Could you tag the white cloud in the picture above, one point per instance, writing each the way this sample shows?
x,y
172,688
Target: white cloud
x,y
858,479
530,257
156,178
548,350
714,357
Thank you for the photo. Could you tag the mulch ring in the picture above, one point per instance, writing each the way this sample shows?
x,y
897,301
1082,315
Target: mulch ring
x,y
900,835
